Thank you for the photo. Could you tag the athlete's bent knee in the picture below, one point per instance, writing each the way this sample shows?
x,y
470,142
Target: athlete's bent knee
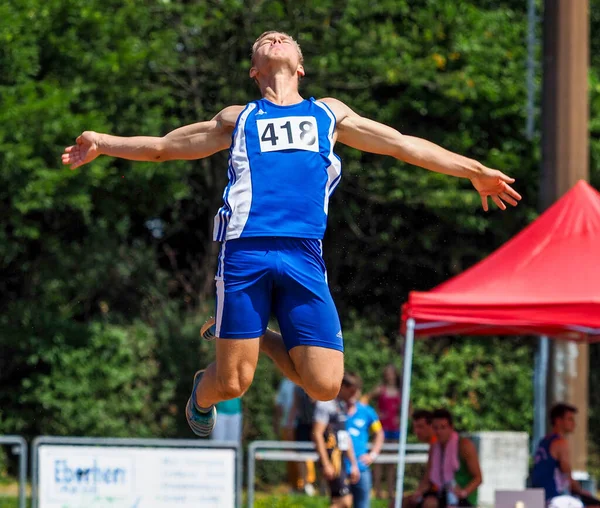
x,y
325,389
233,387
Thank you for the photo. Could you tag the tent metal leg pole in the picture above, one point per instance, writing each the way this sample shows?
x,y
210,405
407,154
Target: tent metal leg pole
x,y
540,377
407,373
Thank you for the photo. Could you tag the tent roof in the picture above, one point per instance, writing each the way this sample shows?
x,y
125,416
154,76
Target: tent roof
x,y
545,280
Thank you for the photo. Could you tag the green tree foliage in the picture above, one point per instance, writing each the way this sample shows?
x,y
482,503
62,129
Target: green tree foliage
x,y
99,380
100,311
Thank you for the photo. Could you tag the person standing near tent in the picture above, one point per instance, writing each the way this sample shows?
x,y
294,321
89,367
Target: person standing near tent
x,y
300,475
552,466
334,447
454,474
423,429
282,171
229,426
300,418
362,423
387,398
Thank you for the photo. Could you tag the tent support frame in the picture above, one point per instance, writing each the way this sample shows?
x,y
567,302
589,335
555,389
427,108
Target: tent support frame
x,y
404,406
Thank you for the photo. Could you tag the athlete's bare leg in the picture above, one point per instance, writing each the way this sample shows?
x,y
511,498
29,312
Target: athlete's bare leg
x,y
320,370
271,343
316,369
232,372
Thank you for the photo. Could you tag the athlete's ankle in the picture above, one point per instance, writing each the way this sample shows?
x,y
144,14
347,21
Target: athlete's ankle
x,y
201,409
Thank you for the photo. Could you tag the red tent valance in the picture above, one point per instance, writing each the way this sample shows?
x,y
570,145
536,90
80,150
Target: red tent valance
x,y
544,281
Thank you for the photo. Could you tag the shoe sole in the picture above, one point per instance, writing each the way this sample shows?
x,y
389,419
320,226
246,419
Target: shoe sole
x,y
205,331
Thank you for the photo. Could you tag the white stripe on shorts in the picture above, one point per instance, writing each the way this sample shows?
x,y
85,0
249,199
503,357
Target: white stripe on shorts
x,y
321,252
220,297
220,283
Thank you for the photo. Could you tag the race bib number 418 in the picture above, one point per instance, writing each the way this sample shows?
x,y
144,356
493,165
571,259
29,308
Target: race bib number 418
x,y
290,132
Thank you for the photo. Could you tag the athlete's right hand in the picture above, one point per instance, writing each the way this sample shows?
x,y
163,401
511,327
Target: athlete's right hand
x,y
86,150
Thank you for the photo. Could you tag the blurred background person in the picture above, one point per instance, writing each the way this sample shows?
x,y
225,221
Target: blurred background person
x,y
423,430
422,426
229,423
285,430
552,467
386,397
300,418
453,466
362,424
334,446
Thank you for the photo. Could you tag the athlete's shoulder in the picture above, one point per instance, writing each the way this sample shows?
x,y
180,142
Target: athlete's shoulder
x,y
338,108
228,116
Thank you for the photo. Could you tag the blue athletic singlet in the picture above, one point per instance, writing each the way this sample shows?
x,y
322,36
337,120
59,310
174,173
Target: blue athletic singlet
x,y
546,473
282,172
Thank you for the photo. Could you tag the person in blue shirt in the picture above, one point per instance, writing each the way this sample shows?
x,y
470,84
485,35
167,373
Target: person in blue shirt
x,y
230,425
552,464
282,172
362,423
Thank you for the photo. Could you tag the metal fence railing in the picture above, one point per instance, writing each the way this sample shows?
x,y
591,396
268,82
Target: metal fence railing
x,y
291,451
19,447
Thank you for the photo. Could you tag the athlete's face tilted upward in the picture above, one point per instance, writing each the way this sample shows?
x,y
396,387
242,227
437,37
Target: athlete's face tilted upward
x,y
274,52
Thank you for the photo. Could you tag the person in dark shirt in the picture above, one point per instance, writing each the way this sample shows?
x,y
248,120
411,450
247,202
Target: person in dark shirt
x,y
552,465
333,444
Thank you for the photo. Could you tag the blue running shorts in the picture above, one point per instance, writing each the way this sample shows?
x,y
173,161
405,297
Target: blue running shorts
x,y
287,276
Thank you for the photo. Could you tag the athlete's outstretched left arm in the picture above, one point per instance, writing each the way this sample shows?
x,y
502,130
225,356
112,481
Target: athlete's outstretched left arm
x,y
370,136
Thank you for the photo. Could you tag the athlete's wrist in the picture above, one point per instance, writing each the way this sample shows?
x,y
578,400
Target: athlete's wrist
x,y
101,143
474,169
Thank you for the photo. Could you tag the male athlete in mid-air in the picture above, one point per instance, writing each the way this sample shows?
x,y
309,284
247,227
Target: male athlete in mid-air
x,y
282,172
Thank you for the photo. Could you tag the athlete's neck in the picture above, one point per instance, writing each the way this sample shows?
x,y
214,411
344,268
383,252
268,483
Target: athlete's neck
x,y
280,88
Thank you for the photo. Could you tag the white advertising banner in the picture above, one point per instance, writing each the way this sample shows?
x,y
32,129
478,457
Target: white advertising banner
x,y
135,477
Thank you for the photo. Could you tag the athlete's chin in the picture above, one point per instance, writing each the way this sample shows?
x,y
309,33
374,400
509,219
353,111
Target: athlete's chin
x,y
278,64
280,58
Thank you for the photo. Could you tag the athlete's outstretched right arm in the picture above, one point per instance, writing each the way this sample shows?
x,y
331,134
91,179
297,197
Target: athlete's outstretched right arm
x,y
193,141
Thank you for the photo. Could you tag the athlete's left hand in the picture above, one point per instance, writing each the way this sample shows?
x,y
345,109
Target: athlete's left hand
x,y
354,474
495,184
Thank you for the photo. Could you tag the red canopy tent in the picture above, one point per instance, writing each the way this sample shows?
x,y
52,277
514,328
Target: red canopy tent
x,y
544,281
